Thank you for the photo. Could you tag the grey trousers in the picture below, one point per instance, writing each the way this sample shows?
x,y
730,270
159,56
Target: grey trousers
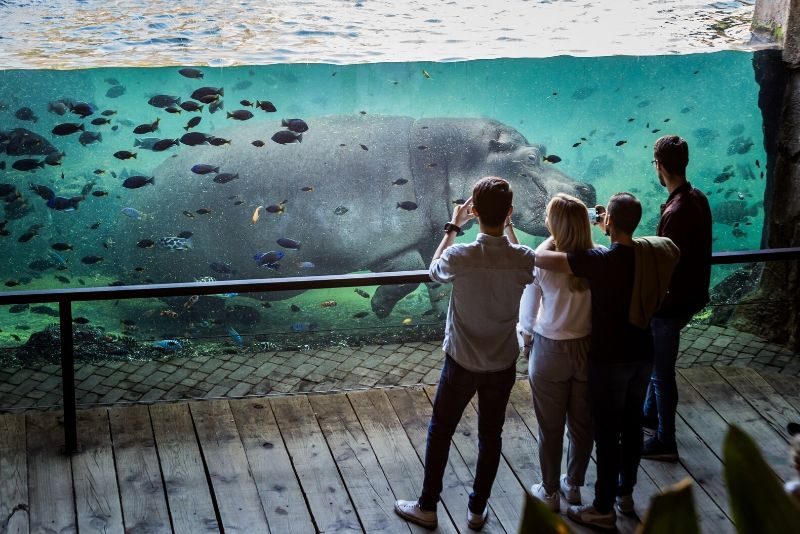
x,y
558,372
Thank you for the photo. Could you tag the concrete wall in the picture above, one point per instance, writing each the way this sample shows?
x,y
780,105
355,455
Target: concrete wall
x,y
778,21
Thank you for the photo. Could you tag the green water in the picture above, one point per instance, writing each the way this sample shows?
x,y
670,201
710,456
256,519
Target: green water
x,y
710,99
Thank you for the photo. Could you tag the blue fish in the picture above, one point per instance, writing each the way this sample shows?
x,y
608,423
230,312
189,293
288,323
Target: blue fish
x,y
306,265
303,327
236,336
64,204
269,260
168,345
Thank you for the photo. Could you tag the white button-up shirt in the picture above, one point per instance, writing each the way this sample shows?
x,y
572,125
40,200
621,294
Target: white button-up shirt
x,y
488,277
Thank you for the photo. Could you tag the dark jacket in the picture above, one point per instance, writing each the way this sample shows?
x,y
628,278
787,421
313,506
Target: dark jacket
x,y
686,220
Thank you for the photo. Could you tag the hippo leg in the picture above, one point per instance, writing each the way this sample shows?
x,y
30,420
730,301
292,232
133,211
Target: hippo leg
x,y
386,297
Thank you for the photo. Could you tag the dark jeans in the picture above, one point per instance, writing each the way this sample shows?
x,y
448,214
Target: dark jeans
x,y
662,393
456,387
616,392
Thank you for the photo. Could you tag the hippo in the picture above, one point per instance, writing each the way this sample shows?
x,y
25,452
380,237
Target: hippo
x,y
355,193
23,142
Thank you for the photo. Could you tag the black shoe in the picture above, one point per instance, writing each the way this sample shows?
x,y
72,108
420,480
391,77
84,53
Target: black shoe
x,y
653,449
650,425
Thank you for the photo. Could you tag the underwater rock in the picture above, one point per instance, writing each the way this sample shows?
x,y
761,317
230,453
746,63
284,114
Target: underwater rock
x,y
460,151
732,290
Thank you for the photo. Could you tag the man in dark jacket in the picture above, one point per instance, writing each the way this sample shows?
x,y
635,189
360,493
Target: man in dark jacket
x,y
686,220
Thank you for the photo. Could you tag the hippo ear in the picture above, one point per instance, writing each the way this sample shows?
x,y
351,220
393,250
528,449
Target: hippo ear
x,y
499,146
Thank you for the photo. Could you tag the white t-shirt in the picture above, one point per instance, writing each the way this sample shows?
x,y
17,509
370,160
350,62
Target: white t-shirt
x,y
550,309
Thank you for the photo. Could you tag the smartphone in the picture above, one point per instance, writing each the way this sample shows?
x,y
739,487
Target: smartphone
x,y
592,215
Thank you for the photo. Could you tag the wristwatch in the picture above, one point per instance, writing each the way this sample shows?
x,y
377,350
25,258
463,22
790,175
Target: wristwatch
x,y
450,227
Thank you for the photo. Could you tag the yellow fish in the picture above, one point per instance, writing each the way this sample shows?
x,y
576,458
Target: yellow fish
x,y
257,214
426,74
407,320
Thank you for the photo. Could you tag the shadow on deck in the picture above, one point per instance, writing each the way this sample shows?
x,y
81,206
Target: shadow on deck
x,y
336,462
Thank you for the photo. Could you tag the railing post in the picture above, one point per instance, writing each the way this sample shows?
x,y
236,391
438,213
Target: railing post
x,y
68,378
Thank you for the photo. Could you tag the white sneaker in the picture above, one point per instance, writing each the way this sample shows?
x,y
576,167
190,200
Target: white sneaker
x,y
625,504
411,511
552,501
589,516
476,521
571,493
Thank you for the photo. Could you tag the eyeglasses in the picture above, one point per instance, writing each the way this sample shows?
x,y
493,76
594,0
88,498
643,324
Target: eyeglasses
x,y
655,163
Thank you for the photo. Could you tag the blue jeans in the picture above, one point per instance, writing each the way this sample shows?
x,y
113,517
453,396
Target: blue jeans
x,y
456,388
616,391
662,393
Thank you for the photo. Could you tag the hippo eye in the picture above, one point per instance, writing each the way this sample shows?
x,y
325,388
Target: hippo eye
x,y
533,157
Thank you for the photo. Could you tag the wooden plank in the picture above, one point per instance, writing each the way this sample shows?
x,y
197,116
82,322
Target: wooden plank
x,y
237,500
508,495
14,517
762,397
787,385
414,411
144,504
736,410
395,453
52,505
188,494
94,477
327,496
278,488
700,416
367,485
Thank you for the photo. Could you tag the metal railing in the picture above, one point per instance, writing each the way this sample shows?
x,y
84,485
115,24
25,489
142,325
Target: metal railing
x,y
65,298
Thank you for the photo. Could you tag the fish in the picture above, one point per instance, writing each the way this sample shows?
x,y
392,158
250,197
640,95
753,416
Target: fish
x,y
361,293
124,154
236,336
631,119
295,308
285,242
146,143
740,145
58,107
100,121
67,128
307,189
407,321
88,138
363,147
243,84
328,304
305,265
54,158
268,259
80,320
426,74
257,214
276,208
723,177
266,105
135,182
169,345
18,308
12,283
61,247
203,211
63,279
164,144
202,168
215,106
173,109
285,137
64,204
407,205
185,234
99,171
198,94
190,72
655,130
552,158
620,143
218,141
266,305
94,226
191,106
422,147
45,310
174,243
258,143
164,101
91,260
246,103
145,243
574,145
116,91
295,125
240,115
133,213
108,112
302,327
84,109
99,193
360,315
341,210
147,127
758,164
189,214
238,202
30,233
194,138
400,181
225,177
26,114
87,188
194,121
27,164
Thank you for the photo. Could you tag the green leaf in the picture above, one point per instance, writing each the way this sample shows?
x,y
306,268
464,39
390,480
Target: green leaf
x,y
539,519
672,511
758,502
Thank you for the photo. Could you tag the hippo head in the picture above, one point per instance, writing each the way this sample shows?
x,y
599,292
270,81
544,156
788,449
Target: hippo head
x,y
533,180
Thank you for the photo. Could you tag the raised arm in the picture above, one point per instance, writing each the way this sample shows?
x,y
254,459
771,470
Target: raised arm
x,y
551,260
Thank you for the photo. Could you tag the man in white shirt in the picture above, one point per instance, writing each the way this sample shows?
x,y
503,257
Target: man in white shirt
x,y
480,344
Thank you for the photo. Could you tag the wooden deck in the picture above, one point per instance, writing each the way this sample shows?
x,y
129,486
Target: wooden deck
x,y
336,463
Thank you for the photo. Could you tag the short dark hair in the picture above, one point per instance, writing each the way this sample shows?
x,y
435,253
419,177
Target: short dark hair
x,y
492,197
626,211
672,152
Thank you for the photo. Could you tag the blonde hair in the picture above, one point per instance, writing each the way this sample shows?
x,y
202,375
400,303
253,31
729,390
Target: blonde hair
x,y
568,223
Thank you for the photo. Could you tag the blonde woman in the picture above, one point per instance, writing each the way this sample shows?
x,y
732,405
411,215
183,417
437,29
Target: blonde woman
x,y
555,322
